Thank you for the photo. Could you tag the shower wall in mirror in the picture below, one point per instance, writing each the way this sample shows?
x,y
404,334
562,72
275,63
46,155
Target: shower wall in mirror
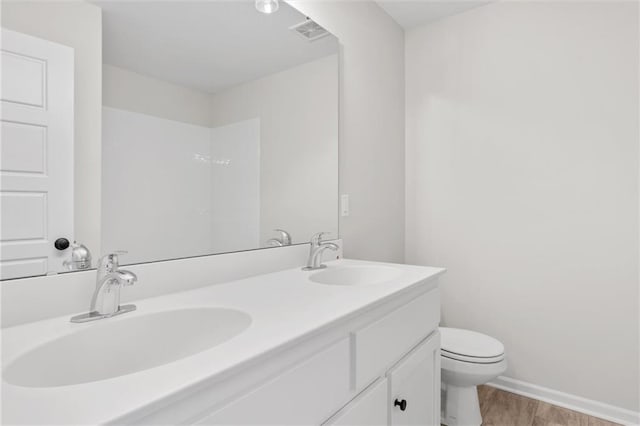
x,y
219,127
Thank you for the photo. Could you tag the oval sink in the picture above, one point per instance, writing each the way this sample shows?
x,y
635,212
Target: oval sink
x,y
119,346
356,275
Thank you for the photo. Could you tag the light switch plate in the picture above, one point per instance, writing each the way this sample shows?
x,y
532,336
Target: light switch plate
x,y
344,205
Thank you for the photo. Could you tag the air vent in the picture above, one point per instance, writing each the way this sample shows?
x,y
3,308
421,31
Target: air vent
x,y
309,30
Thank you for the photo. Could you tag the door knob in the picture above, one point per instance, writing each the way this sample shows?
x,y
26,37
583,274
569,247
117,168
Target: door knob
x,y
402,404
61,244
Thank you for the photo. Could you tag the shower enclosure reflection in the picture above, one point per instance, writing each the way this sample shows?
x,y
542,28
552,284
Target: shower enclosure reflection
x,y
214,139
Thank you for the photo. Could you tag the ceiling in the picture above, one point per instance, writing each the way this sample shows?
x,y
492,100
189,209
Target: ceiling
x,y
411,14
205,45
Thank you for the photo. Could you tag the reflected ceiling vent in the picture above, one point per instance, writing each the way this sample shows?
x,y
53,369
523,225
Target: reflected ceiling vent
x,y
309,30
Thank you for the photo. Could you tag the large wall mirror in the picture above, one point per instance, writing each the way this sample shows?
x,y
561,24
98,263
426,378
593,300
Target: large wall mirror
x,y
219,133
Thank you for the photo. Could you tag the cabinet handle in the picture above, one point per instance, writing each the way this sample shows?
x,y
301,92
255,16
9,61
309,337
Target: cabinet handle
x,y
402,404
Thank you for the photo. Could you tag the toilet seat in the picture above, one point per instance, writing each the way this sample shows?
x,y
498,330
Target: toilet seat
x,y
470,346
472,359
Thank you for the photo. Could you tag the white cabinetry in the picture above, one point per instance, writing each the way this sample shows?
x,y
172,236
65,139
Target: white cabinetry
x,y
414,386
304,395
409,395
382,343
370,408
351,375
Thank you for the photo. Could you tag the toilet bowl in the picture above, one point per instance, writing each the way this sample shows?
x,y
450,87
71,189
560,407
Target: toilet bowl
x,y
468,359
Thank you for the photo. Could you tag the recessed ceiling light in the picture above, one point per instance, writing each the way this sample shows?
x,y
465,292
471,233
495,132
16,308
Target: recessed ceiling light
x,y
267,6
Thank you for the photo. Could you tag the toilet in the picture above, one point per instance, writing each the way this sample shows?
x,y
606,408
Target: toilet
x,y
468,359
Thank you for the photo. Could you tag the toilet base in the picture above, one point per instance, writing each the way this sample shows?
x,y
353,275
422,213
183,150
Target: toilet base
x,y
460,406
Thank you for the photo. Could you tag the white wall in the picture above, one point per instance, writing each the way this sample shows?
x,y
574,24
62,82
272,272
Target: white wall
x,y
371,124
78,25
522,180
135,92
298,112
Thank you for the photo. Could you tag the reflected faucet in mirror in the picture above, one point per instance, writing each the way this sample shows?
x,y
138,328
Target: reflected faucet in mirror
x,y
105,302
80,258
283,240
315,252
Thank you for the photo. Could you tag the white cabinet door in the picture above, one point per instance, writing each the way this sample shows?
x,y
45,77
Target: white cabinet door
x,y
414,386
36,154
370,408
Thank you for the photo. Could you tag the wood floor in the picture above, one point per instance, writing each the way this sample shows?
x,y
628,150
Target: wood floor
x,y
500,408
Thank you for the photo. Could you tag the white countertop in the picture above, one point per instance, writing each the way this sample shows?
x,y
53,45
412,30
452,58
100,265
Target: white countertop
x,y
284,307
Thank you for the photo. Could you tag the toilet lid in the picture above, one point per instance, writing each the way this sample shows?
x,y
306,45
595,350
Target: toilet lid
x,y
468,345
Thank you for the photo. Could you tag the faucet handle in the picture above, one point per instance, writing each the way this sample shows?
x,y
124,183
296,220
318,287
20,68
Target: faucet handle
x,y
285,237
128,278
110,261
317,238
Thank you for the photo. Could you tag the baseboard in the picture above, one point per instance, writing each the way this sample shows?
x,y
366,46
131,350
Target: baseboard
x,y
572,402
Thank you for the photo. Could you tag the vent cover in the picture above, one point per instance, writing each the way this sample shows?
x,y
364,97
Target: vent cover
x,y
309,30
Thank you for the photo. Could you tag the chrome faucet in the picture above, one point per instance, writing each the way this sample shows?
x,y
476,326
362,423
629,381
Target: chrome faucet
x,y
316,250
105,302
283,240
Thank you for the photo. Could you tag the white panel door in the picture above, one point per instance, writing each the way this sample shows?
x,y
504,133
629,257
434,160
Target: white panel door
x,y
36,154
414,386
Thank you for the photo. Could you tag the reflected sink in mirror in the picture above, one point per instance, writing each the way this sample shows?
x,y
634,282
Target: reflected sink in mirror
x,y
116,347
356,275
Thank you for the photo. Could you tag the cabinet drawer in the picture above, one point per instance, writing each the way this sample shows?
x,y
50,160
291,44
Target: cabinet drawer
x,y
304,395
370,408
381,344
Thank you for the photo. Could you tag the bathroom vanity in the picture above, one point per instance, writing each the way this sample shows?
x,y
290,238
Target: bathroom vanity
x,y
355,343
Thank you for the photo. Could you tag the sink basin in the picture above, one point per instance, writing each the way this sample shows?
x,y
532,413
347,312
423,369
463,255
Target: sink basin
x,y
356,275
118,346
